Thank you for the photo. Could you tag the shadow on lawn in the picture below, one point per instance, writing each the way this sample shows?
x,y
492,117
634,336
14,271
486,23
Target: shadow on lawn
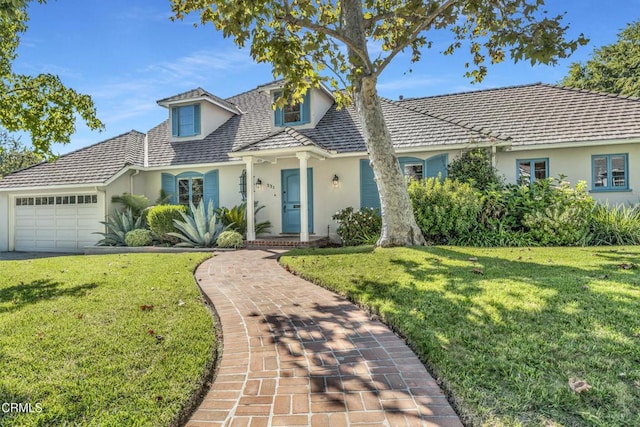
x,y
511,348
15,297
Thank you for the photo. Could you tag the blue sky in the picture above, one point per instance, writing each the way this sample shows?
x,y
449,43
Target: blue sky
x,y
127,54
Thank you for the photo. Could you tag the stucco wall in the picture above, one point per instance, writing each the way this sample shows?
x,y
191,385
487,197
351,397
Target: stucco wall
x,y
4,222
575,163
211,118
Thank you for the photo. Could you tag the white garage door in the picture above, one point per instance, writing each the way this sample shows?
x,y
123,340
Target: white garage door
x,y
59,223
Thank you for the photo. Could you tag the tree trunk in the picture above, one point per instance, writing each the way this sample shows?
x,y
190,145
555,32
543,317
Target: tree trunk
x,y
399,226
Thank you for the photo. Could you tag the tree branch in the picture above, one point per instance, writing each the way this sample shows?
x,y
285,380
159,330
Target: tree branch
x,y
305,23
414,35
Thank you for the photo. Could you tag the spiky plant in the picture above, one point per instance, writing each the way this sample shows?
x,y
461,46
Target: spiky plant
x,y
118,225
236,219
198,229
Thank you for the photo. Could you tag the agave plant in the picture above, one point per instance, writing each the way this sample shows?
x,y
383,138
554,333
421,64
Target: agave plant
x,y
199,229
236,219
118,225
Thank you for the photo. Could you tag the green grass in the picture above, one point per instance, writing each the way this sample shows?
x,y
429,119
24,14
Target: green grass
x,y
75,342
505,333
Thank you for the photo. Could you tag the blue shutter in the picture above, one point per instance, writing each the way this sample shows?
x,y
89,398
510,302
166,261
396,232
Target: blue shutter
x,y
174,121
368,188
278,115
437,165
169,186
211,188
306,108
196,119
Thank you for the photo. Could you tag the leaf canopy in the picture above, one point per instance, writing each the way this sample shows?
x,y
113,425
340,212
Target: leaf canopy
x,y
306,41
40,105
614,68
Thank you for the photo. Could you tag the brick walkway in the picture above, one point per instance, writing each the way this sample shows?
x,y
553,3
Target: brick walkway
x,y
298,355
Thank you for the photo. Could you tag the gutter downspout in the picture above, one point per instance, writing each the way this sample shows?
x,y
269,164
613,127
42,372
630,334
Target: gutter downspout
x,y
131,180
146,150
494,150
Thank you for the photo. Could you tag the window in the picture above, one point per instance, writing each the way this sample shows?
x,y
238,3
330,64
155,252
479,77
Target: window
x,y
190,190
610,172
243,184
293,114
413,171
532,170
57,200
191,187
185,120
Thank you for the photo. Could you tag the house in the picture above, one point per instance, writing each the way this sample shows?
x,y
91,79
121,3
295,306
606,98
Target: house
x,y
306,161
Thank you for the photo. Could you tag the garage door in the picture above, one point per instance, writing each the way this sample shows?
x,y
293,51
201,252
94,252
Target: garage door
x,y
59,223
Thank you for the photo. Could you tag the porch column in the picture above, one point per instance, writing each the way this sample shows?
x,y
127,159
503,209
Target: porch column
x,y
304,197
251,223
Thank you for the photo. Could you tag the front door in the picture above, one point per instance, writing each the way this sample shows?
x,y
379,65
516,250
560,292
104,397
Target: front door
x,y
291,200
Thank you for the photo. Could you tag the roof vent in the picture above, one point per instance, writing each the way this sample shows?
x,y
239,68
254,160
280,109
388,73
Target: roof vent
x,y
400,98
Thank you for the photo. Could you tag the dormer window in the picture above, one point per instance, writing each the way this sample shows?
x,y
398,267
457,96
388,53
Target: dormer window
x,y
185,120
293,114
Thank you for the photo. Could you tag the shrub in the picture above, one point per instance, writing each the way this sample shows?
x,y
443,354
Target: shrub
x,y
559,226
139,237
619,225
229,239
445,209
474,166
556,214
136,202
199,229
361,227
118,225
236,219
161,219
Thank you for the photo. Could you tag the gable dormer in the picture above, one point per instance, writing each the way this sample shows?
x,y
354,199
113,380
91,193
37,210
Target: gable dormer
x,y
304,115
196,113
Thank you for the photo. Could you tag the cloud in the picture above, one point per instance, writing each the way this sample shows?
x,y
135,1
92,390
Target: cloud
x,y
198,65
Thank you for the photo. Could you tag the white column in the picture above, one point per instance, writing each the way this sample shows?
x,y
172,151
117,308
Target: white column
x,y
304,197
251,184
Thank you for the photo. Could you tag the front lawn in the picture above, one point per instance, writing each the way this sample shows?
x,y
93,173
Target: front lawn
x,y
507,329
108,340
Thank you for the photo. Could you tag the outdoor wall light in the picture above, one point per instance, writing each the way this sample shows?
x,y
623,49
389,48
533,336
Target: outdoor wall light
x,y
258,184
335,180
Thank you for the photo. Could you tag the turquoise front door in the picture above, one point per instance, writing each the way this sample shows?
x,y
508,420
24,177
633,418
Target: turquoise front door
x,y
291,200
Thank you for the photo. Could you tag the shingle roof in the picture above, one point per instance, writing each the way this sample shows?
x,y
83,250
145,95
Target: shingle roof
x,y
520,115
340,130
90,165
541,113
252,125
285,138
198,93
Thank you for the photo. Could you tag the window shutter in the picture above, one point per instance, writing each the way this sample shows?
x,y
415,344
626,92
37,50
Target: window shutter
x,y
196,119
174,121
211,188
278,115
368,188
306,108
437,165
169,187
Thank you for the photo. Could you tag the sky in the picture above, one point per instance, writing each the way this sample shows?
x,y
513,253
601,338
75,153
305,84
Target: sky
x,y
127,54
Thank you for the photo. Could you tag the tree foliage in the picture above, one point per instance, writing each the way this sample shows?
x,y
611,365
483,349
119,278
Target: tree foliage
x,y
14,155
40,105
613,68
474,166
311,41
